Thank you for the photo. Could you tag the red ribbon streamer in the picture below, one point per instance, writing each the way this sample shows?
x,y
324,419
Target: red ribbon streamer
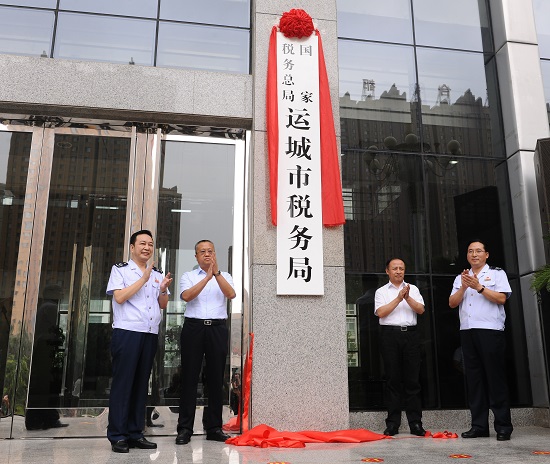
x,y
331,185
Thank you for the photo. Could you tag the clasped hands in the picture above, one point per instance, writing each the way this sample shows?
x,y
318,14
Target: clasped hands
x,y
469,280
404,292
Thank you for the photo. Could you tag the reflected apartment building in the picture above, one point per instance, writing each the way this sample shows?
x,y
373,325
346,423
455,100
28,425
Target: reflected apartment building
x,y
115,118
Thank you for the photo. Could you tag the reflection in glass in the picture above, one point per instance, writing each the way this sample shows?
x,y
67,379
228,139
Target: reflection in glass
x,y
450,365
142,8
221,12
97,38
545,68
25,32
188,212
388,21
84,237
36,3
203,47
376,95
464,202
14,164
457,105
462,25
367,381
541,8
386,213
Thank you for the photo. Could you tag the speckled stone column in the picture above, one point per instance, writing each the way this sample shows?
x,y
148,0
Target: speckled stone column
x,y
299,376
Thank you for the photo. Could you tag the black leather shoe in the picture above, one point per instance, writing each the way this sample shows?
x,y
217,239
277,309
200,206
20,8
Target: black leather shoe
x,y
475,433
120,446
503,436
141,443
183,437
391,431
417,429
217,435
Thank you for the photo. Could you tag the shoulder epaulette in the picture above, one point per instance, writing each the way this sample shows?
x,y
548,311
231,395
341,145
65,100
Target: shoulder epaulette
x,y
158,270
495,268
121,264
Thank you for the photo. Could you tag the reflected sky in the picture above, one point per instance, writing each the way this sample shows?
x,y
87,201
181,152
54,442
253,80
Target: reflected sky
x,y
545,68
460,71
224,12
203,47
144,8
388,21
384,64
449,23
25,32
541,9
101,38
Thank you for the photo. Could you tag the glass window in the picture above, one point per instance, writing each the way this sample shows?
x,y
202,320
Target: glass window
x,y
367,383
545,68
388,216
388,21
70,360
450,364
222,12
203,47
376,92
14,158
188,213
459,110
36,3
465,199
541,9
97,38
452,24
144,8
25,32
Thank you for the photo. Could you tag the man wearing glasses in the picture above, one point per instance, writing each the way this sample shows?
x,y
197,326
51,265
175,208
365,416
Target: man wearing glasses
x,y
204,334
480,294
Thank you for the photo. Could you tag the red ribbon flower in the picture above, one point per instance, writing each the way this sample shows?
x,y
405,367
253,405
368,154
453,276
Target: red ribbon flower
x,y
296,23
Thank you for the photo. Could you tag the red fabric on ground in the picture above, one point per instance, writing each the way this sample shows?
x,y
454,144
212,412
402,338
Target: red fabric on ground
x,y
263,436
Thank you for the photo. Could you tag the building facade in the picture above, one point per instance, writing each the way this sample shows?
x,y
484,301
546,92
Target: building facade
x,y
117,116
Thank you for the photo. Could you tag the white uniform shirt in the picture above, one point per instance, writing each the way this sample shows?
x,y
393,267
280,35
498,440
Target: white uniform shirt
x,y
211,302
141,312
402,315
476,311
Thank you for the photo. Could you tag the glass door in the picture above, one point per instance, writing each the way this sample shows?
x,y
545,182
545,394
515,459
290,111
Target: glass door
x,y
200,196
69,200
20,149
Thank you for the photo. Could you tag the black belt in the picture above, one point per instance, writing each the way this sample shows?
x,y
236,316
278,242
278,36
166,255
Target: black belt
x,y
400,328
205,321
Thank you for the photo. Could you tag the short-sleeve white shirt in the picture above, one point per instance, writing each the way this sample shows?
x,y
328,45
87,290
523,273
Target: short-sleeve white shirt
x,y
141,312
476,311
403,314
211,302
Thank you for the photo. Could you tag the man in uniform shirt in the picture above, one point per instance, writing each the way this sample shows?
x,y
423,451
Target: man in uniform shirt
x,y
139,292
481,293
204,334
397,305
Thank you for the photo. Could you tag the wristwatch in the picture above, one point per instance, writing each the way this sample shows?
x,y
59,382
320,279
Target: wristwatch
x,y
481,290
217,273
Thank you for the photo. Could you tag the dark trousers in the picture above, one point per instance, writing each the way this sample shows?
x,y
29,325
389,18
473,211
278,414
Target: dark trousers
x,y
198,340
132,354
401,357
484,354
